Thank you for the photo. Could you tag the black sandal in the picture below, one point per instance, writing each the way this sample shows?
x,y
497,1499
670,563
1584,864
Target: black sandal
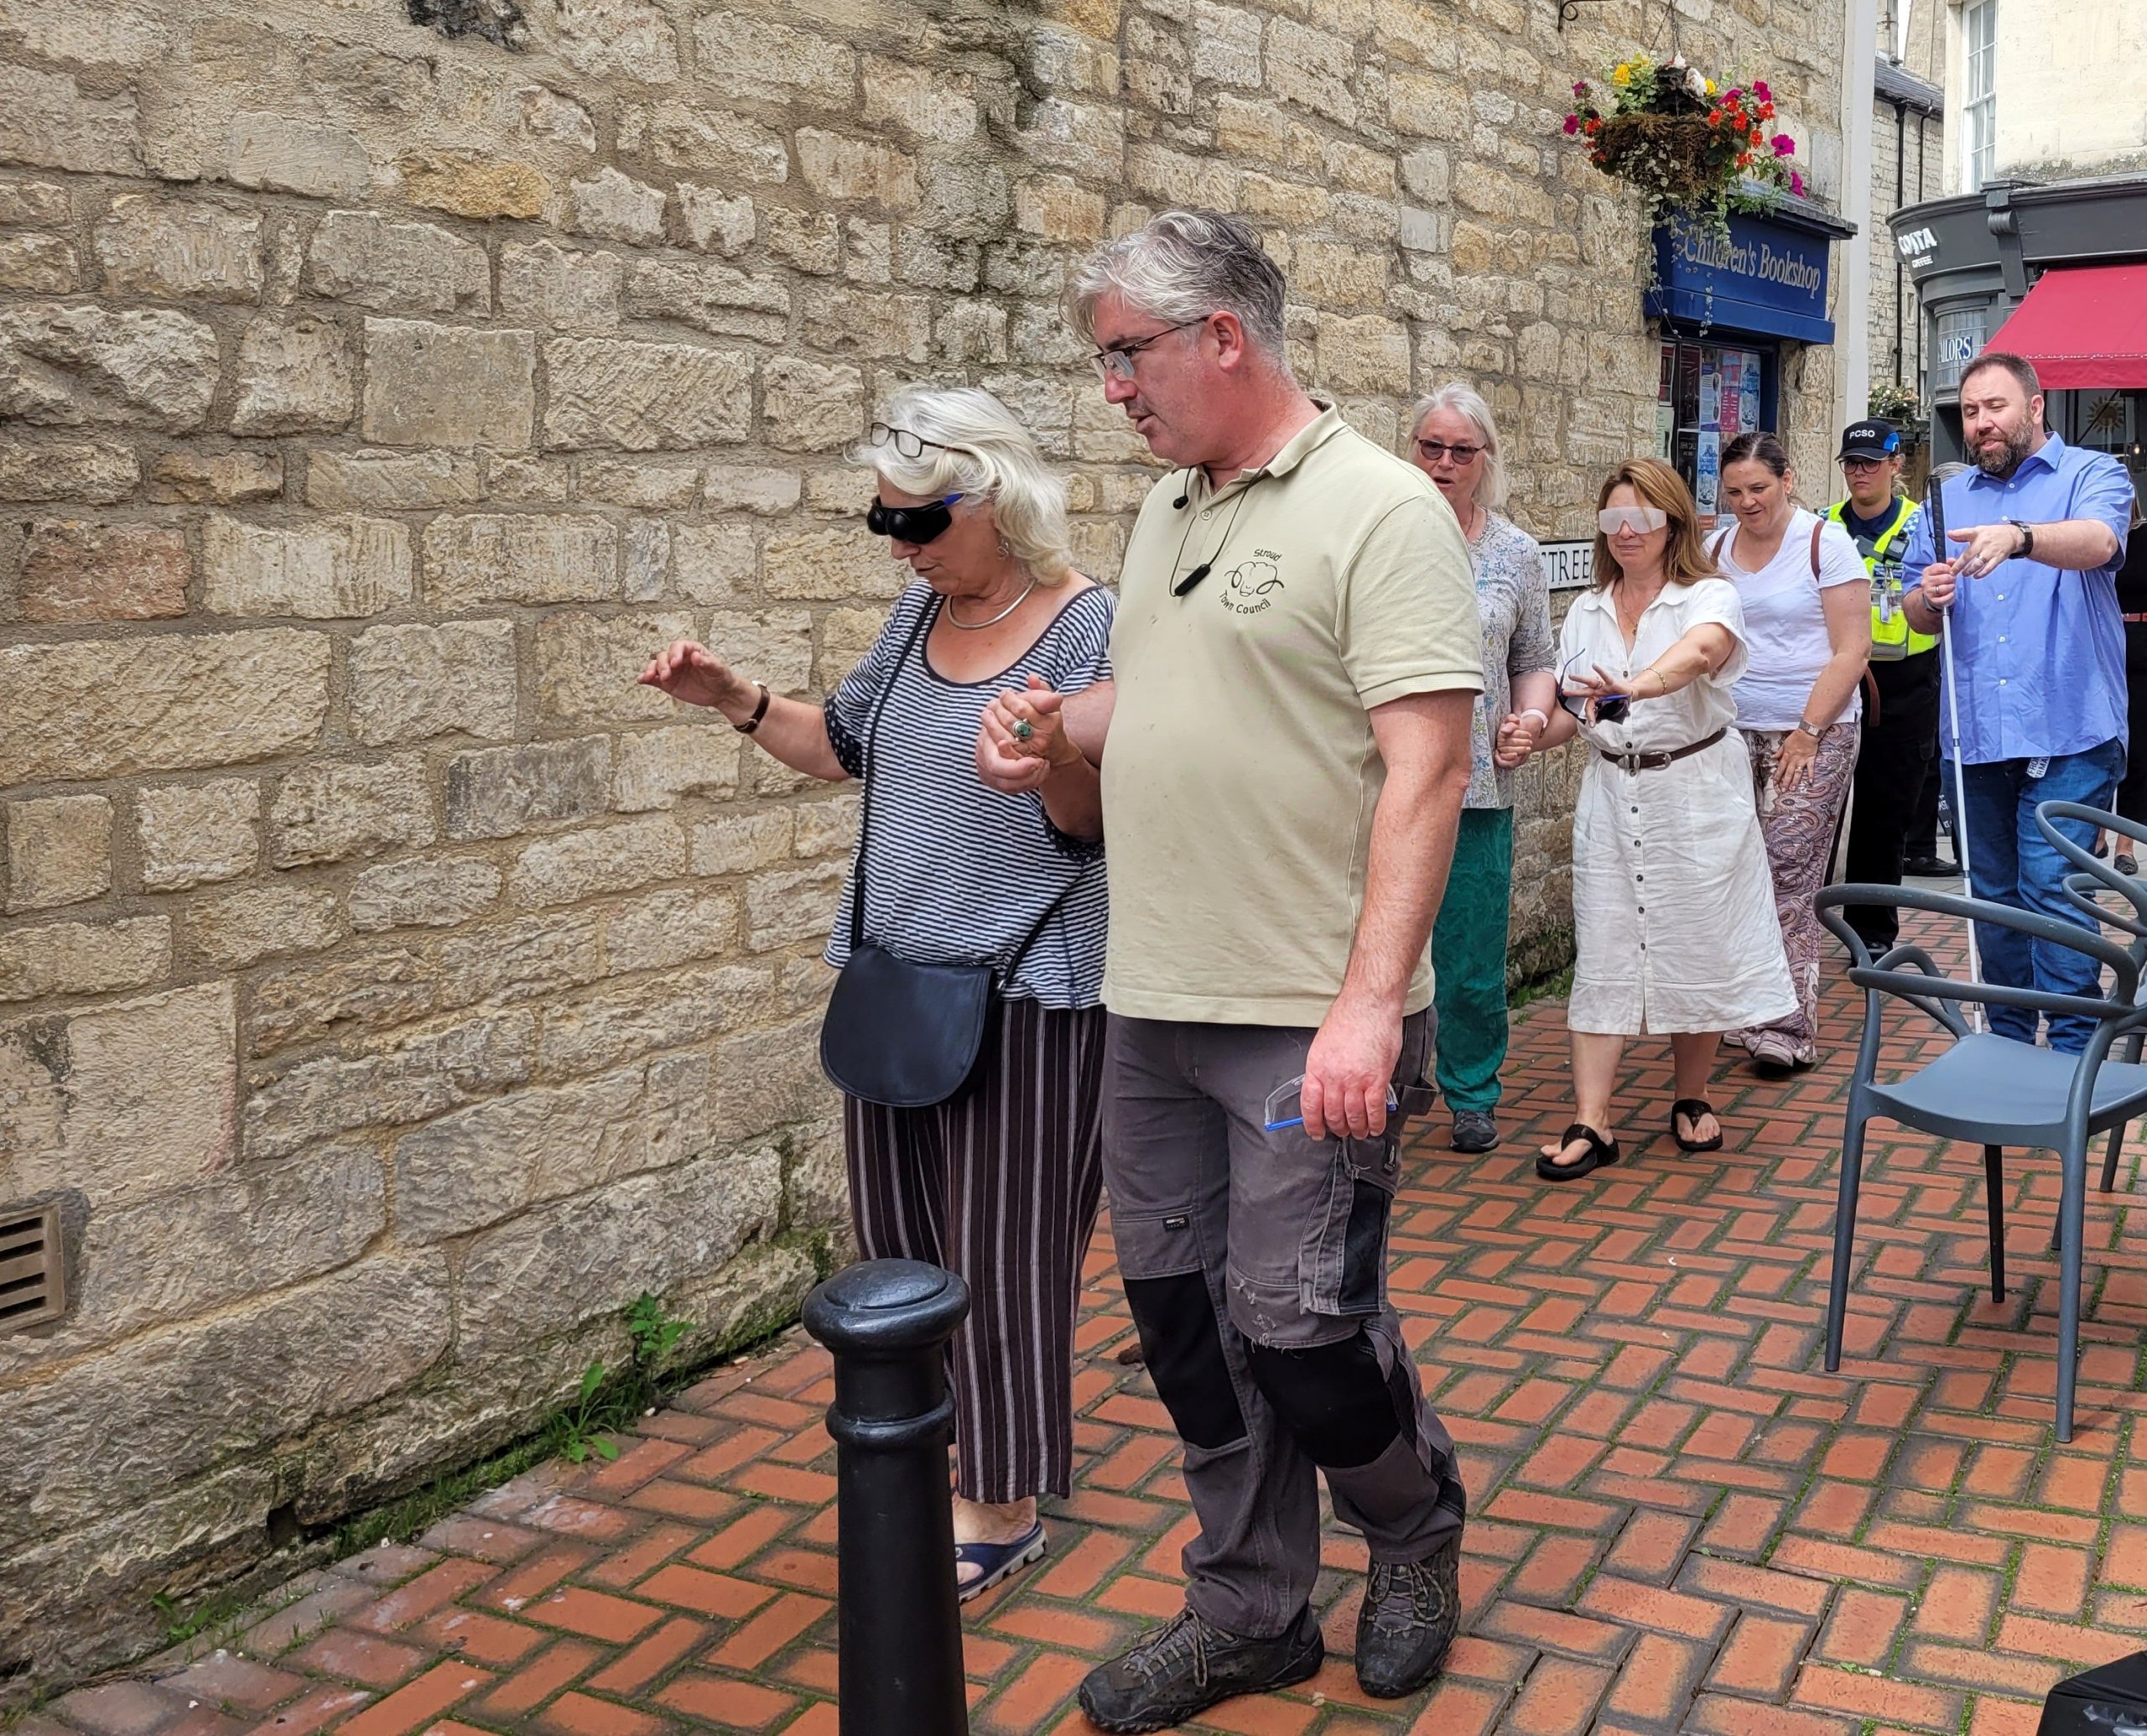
x,y
1691,1108
1602,1153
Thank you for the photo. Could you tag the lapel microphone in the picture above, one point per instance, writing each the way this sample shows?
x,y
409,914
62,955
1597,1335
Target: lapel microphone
x,y
1184,493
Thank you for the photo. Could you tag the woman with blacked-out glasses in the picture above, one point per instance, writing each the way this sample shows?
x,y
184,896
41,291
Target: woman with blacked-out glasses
x,y
1673,904
1001,1183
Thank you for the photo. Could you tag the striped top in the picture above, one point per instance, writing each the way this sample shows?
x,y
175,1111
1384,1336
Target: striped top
x,y
958,873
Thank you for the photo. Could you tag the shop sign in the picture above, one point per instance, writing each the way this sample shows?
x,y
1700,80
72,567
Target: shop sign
x,y
1568,566
1763,277
1958,340
1918,247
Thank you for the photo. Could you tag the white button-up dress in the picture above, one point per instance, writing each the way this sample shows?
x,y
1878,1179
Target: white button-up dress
x,y
1673,904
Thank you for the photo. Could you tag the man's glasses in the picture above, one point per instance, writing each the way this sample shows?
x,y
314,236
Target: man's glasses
x,y
1117,363
910,524
908,444
1434,450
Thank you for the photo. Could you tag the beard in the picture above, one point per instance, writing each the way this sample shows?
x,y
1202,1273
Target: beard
x,y
2002,458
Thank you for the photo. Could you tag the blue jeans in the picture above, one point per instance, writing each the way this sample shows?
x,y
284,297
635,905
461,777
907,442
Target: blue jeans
x,y
2015,865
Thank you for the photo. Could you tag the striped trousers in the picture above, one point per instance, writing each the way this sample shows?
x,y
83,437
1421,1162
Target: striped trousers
x,y
1001,1187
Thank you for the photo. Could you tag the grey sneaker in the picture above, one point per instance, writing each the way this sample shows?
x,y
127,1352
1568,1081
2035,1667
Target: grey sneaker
x,y
1188,1664
1474,1130
1409,1612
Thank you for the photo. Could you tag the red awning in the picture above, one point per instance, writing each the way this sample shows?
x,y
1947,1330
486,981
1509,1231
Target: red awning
x,y
2083,326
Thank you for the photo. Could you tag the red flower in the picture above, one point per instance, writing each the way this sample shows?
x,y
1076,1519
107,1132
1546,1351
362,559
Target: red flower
x,y
1785,145
1796,183
1760,91
1573,123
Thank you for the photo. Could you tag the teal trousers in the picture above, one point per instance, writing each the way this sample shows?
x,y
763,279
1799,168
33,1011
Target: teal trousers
x,y
1468,959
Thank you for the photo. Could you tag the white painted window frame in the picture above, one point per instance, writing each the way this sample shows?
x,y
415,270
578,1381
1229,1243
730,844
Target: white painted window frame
x,y
1979,93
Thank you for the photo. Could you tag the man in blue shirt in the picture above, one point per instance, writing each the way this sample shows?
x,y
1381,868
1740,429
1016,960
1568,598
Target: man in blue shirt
x,y
2039,658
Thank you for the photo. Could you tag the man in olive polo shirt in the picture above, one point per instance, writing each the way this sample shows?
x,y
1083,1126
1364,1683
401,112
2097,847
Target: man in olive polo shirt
x,y
1296,656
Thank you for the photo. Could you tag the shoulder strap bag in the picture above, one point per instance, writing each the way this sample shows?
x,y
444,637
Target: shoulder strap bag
x,y
898,1033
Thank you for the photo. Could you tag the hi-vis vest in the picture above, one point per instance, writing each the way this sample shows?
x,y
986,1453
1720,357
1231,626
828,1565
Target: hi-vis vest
x,y
1892,638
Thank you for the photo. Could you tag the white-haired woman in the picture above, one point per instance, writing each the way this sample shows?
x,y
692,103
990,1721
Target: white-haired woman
x,y
1455,440
1001,1183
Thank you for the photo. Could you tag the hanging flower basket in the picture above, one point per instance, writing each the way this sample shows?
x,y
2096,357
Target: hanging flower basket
x,y
1695,151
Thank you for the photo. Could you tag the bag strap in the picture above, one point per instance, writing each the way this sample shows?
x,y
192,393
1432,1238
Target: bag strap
x,y
924,615
1817,525
1720,541
1006,975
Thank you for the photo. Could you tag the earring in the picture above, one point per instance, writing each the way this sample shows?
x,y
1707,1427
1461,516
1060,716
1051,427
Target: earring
x,y
1006,549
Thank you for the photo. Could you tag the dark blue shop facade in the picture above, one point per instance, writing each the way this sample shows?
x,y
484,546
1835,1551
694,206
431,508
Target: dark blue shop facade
x,y
1730,312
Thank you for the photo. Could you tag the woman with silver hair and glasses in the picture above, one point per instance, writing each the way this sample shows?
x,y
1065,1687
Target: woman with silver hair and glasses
x,y
1455,440
1000,1184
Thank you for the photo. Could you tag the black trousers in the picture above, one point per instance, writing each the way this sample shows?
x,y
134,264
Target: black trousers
x,y
2132,793
1892,766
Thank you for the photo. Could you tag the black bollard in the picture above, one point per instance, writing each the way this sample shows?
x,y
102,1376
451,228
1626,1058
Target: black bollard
x,y
897,1617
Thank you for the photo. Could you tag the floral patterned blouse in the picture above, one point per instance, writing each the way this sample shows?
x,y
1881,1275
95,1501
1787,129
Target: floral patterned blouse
x,y
1514,600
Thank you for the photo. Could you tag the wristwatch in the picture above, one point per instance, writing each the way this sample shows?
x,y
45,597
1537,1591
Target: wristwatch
x,y
2027,537
1810,728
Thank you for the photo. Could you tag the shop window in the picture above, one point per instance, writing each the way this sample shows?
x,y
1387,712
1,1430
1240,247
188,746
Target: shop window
x,y
1960,340
1706,395
1979,90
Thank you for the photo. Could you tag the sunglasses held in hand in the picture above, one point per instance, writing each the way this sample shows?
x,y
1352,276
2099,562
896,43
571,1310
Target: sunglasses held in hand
x,y
1609,708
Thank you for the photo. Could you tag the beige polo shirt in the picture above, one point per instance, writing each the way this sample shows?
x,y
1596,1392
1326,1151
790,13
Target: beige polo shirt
x,y
1241,773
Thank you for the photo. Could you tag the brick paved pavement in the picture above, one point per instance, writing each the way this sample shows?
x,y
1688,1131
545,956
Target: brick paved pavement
x,y
1681,1522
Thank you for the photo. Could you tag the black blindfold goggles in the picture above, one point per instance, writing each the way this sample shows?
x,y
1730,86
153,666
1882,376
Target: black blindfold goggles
x,y
910,524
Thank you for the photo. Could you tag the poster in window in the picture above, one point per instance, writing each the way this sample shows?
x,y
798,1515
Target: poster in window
x,y
1707,470
1733,376
1688,386
1710,390
1748,410
1666,429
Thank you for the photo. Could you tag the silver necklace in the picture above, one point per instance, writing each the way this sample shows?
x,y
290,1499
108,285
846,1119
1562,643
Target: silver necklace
x,y
977,627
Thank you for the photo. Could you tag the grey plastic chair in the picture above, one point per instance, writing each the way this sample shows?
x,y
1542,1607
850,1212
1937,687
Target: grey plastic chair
x,y
1987,1090
2082,887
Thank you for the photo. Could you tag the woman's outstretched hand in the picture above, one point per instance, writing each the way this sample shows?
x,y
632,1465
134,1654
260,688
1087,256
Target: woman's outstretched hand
x,y
690,672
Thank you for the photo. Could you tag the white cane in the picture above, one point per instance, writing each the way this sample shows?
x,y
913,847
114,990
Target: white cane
x,y
1937,508
1961,806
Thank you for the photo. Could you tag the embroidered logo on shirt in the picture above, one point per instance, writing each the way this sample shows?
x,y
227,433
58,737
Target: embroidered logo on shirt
x,y
1249,586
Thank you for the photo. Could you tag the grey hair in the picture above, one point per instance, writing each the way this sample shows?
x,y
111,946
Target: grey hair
x,y
977,448
1184,266
1467,402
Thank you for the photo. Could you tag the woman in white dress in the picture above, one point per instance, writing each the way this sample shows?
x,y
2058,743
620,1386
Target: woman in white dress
x,y
1673,906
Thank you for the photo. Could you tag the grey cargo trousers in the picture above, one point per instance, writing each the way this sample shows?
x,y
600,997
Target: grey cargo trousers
x,y
1256,1266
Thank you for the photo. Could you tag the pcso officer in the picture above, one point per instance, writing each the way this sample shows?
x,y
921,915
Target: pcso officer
x,y
1901,726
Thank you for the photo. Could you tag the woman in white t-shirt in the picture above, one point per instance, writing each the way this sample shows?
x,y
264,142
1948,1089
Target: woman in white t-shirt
x,y
1807,622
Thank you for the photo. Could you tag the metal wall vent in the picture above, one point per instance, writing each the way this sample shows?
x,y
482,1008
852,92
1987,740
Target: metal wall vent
x,y
32,1287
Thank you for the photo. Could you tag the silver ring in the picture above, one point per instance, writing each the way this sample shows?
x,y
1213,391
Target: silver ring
x,y
1023,728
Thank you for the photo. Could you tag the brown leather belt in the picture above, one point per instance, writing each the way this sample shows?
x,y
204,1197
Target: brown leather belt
x,y
2132,620
1655,761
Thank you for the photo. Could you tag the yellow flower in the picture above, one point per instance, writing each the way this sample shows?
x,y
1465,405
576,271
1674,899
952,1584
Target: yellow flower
x,y
1710,87
1622,76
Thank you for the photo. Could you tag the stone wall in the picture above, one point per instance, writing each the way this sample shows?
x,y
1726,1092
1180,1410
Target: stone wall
x,y
391,990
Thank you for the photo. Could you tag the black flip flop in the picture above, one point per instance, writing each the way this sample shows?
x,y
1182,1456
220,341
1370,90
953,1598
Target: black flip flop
x,y
1691,1108
1602,1153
